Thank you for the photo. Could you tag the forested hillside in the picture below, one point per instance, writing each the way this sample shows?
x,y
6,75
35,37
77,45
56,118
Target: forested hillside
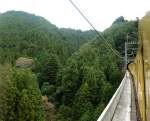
x,y
23,34
73,74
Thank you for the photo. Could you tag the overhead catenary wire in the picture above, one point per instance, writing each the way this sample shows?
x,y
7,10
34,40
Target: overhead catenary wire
x,y
99,35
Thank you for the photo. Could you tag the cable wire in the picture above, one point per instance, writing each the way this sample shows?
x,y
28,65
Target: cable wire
x,y
99,35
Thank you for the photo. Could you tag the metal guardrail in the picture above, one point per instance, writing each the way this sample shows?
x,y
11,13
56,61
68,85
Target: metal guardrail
x,y
109,111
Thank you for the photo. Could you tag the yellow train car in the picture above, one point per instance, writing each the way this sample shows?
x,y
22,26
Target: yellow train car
x,y
140,69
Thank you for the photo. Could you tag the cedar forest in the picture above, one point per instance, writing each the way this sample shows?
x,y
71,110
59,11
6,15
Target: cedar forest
x,y
74,76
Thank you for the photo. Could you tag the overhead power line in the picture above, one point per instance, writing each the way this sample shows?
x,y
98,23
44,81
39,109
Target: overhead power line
x,y
99,35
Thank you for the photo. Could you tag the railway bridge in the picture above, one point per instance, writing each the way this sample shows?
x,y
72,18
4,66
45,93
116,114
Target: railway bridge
x,y
131,101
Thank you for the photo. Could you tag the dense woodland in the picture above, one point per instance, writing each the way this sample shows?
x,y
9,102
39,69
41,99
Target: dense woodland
x,y
74,75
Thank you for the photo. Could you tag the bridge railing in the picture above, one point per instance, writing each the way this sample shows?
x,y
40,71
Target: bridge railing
x,y
109,111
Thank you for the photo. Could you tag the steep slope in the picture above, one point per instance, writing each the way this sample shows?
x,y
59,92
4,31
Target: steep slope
x,y
88,81
24,34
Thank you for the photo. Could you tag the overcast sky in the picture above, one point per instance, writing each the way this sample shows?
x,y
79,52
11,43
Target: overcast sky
x,y
61,13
